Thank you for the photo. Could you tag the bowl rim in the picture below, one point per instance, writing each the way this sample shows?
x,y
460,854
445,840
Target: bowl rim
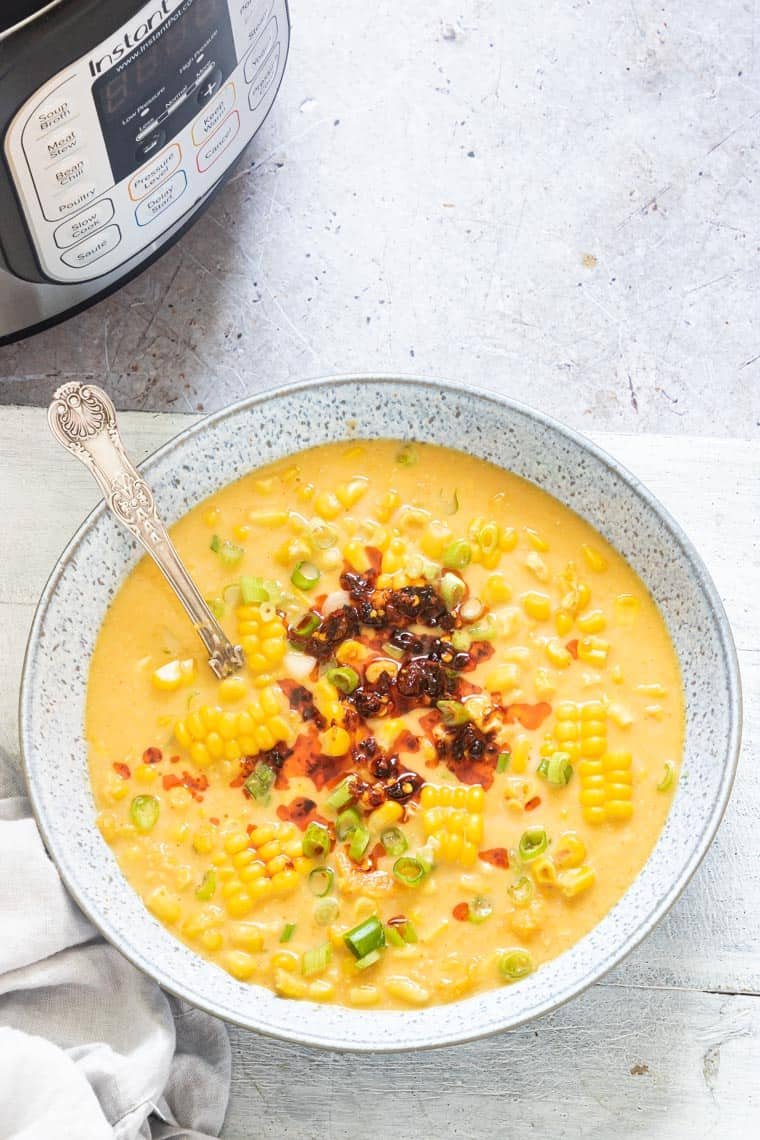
x,y
466,1032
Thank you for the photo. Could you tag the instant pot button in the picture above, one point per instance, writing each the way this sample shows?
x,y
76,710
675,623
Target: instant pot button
x,y
92,248
209,86
84,223
56,111
149,146
161,199
212,115
260,50
152,175
214,147
263,81
70,202
255,14
60,144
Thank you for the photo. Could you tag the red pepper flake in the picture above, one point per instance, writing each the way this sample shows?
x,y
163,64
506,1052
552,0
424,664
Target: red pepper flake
x,y
496,856
249,828
195,785
214,819
122,770
461,912
529,716
152,756
174,759
532,804
572,648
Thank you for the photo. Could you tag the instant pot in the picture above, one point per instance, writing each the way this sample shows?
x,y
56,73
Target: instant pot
x,y
119,120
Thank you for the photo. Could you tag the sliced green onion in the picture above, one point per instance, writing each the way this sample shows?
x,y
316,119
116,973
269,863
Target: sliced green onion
x,y
409,871
259,783
666,783
452,590
393,651
532,843
369,935
215,543
368,960
394,840
347,823
457,555
410,934
522,891
217,607
515,964
461,640
316,840
326,911
252,590
486,630
207,888
316,960
453,712
359,844
306,626
502,761
481,908
305,576
144,812
341,795
321,881
229,552
407,456
344,678
556,770
288,931
394,936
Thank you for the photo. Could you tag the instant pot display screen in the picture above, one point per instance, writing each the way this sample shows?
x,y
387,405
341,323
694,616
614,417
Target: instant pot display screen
x,y
156,83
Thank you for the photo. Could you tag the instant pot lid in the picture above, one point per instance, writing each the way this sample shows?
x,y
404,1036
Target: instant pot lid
x,y
15,12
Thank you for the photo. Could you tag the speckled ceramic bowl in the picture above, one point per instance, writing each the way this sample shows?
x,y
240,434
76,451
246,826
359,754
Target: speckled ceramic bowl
x,y
218,450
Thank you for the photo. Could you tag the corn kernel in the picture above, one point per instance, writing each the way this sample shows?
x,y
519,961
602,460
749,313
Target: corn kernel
x,y
327,505
537,541
232,689
592,622
406,990
570,850
350,493
503,679
241,965
334,741
386,815
164,905
363,995
536,606
246,936
557,654
174,674
576,879
145,773
594,559
290,985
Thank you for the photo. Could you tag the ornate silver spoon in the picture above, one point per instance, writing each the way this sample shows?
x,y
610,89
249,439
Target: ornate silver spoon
x,y
83,419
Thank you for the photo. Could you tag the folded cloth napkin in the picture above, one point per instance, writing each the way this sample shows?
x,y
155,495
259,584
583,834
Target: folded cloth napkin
x,y
90,1049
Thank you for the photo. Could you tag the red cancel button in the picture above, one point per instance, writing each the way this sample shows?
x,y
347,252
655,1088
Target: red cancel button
x,y
214,147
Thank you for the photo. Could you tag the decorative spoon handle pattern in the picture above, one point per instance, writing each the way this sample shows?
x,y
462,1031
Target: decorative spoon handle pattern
x,y
83,419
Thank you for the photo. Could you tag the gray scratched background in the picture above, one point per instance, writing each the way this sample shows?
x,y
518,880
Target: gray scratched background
x,y
557,199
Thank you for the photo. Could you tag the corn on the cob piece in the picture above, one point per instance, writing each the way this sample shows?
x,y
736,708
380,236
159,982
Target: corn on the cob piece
x,y
211,733
263,638
255,867
453,818
606,787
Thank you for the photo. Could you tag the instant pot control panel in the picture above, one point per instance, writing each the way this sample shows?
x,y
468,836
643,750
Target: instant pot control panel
x,y
117,147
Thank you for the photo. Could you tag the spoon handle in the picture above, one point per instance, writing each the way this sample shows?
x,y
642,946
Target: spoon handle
x,y
83,419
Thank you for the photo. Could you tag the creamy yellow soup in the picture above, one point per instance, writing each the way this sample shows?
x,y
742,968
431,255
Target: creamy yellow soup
x,y
450,751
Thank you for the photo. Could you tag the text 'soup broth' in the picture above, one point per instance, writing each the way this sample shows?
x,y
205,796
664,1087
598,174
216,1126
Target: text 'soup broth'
x,y
452,747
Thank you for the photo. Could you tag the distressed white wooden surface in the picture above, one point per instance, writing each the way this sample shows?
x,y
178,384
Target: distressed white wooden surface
x,y
669,1044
